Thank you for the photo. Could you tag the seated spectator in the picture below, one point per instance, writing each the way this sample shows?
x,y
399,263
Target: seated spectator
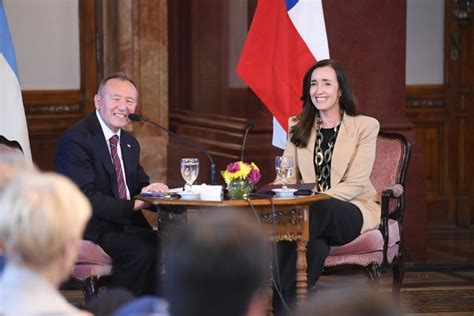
x,y
11,162
216,265
145,305
42,218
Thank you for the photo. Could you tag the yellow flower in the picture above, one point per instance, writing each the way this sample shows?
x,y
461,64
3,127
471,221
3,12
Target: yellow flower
x,y
254,166
237,171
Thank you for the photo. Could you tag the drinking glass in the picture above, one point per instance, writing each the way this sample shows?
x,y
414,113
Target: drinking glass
x,y
284,169
189,172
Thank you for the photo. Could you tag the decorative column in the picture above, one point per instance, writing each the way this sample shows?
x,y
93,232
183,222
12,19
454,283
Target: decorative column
x,y
135,37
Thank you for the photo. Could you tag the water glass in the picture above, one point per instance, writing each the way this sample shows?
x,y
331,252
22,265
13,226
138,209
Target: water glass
x,y
189,172
284,169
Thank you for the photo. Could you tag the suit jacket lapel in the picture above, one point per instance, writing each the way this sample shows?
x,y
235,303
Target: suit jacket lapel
x,y
126,154
101,148
343,149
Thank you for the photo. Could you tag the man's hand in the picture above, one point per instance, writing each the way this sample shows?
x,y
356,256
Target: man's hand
x,y
155,188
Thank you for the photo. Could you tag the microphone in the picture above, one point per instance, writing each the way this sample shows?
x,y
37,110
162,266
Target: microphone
x,y
138,118
250,125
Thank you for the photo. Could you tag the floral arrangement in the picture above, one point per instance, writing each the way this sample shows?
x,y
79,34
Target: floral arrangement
x,y
240,170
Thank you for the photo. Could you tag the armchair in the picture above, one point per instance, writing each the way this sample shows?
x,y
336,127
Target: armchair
x,y
380,249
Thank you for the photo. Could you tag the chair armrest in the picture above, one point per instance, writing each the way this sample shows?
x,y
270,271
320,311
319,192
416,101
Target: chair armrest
x,y
393,192
396,190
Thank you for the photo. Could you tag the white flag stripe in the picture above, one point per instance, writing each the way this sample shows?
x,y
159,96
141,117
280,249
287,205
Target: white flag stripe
x,y
12,119
279,134
308,18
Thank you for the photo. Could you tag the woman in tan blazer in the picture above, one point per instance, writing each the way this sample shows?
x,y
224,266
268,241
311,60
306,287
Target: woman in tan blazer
x,y
334,147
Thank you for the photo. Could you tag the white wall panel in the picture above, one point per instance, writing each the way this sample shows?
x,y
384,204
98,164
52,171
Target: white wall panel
x,y
46,38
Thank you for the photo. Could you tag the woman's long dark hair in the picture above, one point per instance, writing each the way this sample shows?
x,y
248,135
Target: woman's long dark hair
x,y
301,131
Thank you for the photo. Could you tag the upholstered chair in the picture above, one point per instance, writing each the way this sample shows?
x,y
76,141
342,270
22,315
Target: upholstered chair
x,y
92,268
380,249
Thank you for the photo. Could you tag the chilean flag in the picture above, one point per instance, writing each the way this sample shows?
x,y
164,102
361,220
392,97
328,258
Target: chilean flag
x,y
286,37
12,113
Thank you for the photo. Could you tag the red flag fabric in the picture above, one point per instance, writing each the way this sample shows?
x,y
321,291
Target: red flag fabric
x,y
274,60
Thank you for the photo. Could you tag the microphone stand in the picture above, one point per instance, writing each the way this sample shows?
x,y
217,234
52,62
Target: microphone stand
x,y
138,118
250,125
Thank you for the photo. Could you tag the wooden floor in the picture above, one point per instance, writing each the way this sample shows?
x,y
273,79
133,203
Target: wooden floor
x,y
448,292
443,285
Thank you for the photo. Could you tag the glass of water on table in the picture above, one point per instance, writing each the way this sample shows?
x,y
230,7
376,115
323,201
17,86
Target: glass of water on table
x,y
189,172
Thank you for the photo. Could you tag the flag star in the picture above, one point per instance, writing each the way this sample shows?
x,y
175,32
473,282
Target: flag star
x,y
129,146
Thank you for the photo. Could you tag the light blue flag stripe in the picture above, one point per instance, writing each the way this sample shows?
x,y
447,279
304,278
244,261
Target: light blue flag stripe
x,y
6,43
12,113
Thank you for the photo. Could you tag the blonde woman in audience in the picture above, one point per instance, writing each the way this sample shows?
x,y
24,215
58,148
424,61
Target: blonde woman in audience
x,y
42,218
12,162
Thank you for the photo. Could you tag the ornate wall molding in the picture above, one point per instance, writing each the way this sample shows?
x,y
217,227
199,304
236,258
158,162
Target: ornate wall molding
x,y
40,109
426,103
286,217
426,96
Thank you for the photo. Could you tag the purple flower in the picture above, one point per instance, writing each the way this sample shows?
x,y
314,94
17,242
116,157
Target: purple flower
x,y
233,167
254,176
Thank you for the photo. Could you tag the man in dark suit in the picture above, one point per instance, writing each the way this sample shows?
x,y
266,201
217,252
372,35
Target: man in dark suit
x,y
104,161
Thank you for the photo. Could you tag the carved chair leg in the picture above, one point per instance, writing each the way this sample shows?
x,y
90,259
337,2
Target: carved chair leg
x,y
372,272
90,288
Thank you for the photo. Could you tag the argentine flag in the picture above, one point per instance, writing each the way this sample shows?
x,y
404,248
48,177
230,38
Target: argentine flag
x,y
286,37
12,113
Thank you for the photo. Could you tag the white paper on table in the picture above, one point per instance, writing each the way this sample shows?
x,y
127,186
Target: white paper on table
x,y
206,192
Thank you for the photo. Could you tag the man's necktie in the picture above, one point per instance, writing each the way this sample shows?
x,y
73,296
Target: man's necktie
x,y
118,167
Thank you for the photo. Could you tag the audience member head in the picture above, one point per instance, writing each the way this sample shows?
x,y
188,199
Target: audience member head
x,y
217,265
116,98
42,218
353,302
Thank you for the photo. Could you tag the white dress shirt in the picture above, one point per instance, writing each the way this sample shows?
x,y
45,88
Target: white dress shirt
x,y
108,133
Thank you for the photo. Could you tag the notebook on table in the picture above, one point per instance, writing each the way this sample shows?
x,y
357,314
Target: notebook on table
x,y
301,187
